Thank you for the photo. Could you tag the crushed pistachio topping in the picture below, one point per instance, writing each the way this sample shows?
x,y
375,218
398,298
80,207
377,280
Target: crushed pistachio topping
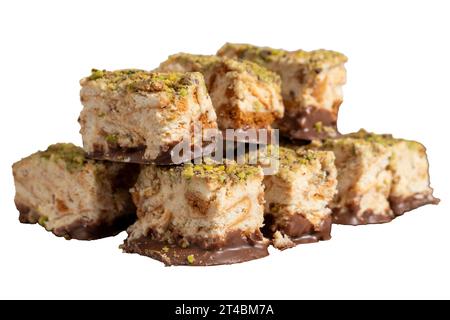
x,y
96,74
318,126
112,138
203,63
258,107
384,139
73,156
362,136
293,160
139,80
320,58
191,259
264,55
165,249
42,221
255,69
260,55
230,172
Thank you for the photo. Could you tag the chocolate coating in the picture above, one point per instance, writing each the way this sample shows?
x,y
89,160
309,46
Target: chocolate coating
x,y
299,229
368,217
80,229
236,248
399,206
302,125
132,155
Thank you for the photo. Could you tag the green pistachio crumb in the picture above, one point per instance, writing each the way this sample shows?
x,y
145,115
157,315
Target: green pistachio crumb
x,y
96,74
183,92
230,172
112,138
42,221
241,175
318,126
257,106
190,259
73,156
188,172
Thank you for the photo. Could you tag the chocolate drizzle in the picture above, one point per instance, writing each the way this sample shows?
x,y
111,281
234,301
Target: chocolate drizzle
x,y
237,247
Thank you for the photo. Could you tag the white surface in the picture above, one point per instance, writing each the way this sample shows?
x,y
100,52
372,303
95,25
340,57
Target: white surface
x,y
397,82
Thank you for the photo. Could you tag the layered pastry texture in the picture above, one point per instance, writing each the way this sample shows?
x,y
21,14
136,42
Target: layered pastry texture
x,y
379,177
244,94
297,197
204,214
311,86
139,116
74,197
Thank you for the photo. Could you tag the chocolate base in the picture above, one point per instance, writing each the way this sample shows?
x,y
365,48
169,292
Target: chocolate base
x,y
302,125
79,229
368,217
137,154
131,155
236,248
399,206
299,229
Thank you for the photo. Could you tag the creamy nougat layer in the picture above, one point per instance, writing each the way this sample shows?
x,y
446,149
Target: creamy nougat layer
x,y
376,173
134,109
61,187
197,203
311,86
244,94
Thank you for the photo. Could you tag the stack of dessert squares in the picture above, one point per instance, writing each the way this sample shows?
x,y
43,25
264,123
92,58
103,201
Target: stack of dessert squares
x,y
201,211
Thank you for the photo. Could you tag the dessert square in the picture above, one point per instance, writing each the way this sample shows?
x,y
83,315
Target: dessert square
x,y
408,164
298,195
203,214
311,86
139,116
244,94
379,177
72,196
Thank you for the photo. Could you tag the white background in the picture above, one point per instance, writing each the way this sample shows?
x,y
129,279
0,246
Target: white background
x,y
398,82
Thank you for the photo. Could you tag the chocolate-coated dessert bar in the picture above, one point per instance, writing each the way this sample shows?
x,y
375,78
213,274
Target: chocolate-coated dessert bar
x,y
379,177
297,197
72,196
203,214
139,116
311,86
244,94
